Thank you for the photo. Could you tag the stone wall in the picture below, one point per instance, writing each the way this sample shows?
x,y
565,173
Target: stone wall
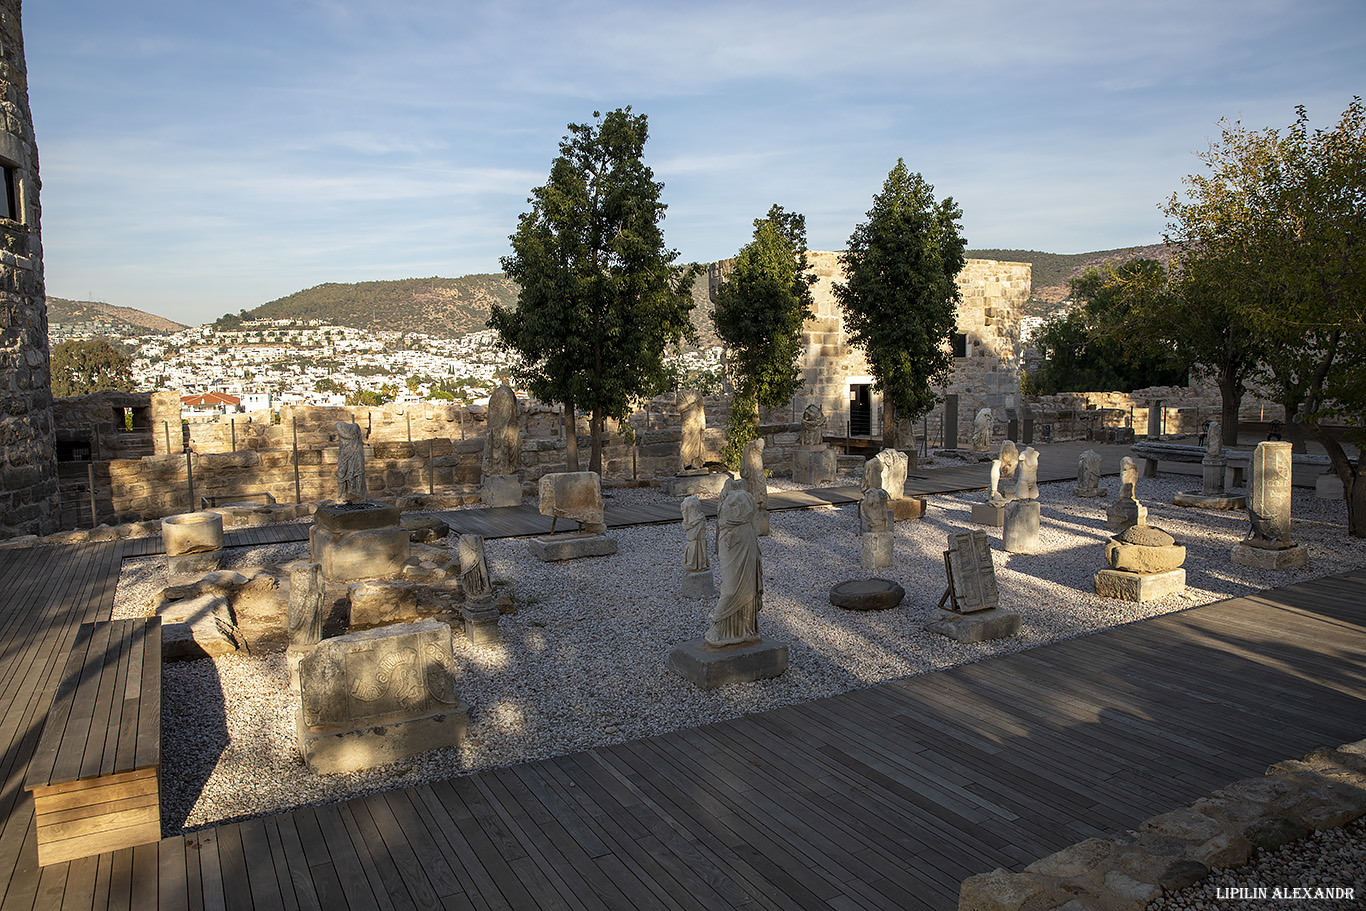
x,y
989,318
28,473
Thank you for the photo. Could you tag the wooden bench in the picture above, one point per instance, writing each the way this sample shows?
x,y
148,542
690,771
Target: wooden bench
x,y
1237,461
95,775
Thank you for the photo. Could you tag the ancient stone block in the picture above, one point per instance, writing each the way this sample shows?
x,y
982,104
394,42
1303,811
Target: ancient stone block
x,y
907,508
374,554
987,514
699,586
374,697
192,533
1020,527
575,495
711,668
976,627
1121,514
971,571
876,549
550,548
197,627
1129,586
501,490
1254,557
814,466
340,518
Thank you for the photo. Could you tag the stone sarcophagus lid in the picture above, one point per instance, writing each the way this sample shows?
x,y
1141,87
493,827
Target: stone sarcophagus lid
x,y
377,696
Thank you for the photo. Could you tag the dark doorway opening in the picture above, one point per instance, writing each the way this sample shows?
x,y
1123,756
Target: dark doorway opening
x,y
860,410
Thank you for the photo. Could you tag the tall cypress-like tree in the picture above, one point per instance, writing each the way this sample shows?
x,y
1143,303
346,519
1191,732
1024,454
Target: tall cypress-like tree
x,y
759,313
601,298
900,295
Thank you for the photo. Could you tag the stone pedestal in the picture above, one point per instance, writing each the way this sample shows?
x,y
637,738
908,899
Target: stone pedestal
x,y
193,542
814,466
876,551
501,490
699,586
867,594
1209,501
761,522
1020,529
375,697
1270,558
986,514
380,602
354,541
710,668
706,485
550,548
1088,492
979,626
1212,475
1128,586
481,620
1123,513
905,508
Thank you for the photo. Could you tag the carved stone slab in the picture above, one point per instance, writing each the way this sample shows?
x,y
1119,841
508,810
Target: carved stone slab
x,y
573,495
972,574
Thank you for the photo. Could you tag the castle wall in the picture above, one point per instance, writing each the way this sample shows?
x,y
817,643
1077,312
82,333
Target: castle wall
x,y
28,470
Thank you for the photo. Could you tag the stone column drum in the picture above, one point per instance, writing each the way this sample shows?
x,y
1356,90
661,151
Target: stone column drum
x,y
193,541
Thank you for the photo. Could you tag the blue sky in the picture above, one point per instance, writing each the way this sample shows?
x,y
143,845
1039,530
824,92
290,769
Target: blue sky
x,y
201,158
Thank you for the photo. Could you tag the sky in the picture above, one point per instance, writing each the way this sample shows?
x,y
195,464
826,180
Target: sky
x,y
202,158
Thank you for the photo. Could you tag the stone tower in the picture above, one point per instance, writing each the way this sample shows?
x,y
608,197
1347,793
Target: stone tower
x,y
28,472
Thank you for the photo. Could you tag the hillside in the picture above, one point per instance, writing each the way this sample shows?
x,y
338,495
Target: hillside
x,y
1052,271
66,312
449,307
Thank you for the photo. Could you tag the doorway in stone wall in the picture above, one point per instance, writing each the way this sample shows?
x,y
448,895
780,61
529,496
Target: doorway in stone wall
x,y
860,409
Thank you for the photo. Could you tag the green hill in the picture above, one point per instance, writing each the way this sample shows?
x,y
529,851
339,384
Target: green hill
x,y
448,307
1052,271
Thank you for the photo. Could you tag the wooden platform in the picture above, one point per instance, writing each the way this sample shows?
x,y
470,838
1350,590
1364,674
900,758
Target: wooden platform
x,y
95,775
881,798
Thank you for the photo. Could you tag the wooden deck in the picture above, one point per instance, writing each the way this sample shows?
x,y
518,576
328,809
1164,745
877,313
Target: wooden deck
x,y
885,797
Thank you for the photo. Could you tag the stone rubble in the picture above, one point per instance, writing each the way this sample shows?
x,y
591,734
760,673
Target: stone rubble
x,y
582,662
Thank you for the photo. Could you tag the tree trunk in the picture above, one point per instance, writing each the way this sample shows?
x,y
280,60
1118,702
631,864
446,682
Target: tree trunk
x,y
889,440
569,423
1230,399
595,431
1293,431
1353,484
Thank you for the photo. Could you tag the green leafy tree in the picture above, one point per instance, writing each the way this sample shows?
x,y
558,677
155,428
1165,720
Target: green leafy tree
x,y
92,365
1091,348
900,294
600,298
759,313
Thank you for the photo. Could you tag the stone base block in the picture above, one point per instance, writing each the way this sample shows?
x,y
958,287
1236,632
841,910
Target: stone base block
x,y
710,668
1020,529
699,586
876,552
481,621
907,508
550,548
1267,558
344,517
761,525
986,514
814,467
1127,586
1121,514
1209,501
329,752
867,594
979,626
1089,492
377,553
184,564
501,490
702,485
1328,487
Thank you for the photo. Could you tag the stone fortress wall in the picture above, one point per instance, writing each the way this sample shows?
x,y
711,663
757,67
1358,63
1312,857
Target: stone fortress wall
x,y
28,472
988,375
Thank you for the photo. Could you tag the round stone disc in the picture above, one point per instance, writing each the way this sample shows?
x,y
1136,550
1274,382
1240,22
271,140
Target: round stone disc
x,y
867,594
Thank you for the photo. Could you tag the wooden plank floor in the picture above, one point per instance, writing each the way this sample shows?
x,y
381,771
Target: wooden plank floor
x,y
885,797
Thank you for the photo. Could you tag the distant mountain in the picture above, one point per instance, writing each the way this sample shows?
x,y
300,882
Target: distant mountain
x,y
447,307
66,312
1052,271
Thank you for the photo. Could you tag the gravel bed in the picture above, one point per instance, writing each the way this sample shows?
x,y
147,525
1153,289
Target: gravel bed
x,y
1333,859
582,663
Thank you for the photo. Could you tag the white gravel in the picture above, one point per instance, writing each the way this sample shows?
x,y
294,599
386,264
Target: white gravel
x,y
582,663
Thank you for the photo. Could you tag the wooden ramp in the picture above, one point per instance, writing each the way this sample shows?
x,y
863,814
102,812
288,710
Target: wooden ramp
x,y
881,798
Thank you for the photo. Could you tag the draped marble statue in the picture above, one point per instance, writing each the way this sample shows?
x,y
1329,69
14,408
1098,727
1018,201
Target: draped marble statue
x,y
813,425
691,452
735,619
695,557
350,464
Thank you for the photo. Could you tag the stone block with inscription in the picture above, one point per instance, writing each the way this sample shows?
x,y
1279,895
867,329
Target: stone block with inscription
x,y
378,696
